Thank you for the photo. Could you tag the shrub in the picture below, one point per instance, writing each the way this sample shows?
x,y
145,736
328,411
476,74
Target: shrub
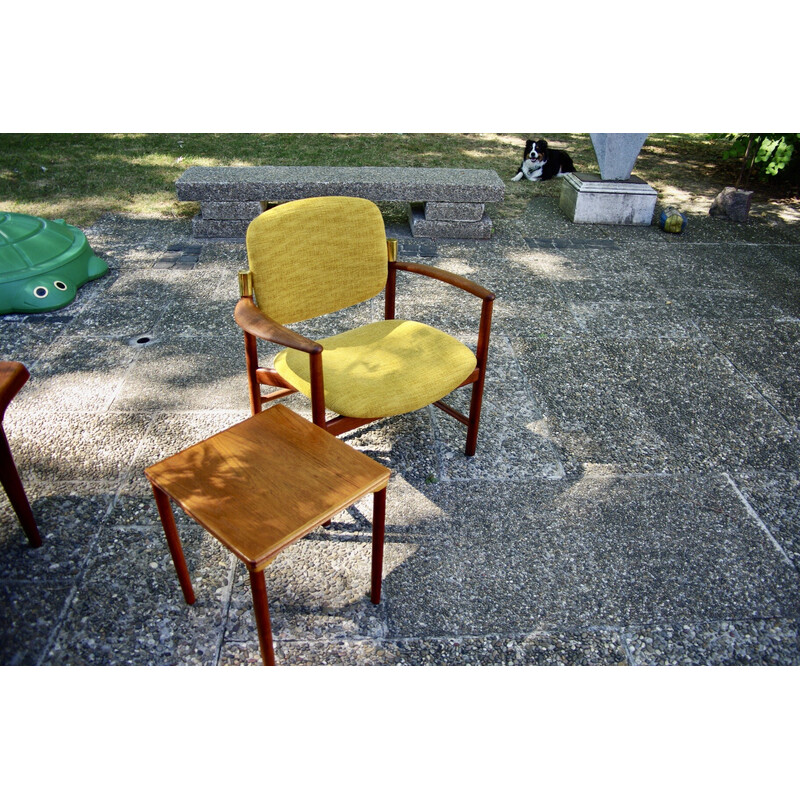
x,y
767,153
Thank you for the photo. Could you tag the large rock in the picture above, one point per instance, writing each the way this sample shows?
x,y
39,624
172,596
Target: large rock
x,y
732,203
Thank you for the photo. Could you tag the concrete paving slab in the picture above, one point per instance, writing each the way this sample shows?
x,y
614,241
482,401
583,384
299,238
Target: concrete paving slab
x,y
29,334
766,353
134,302
579,648
80,448
135,615
169,433
185,374
774,498
589,414
741,643
514,439
31,612
655,404
318,589
699,403
84,373
606,550
406,444
74,516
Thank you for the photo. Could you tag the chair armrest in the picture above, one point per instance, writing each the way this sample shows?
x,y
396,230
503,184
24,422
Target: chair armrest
x,y
251,319
447,277
451,278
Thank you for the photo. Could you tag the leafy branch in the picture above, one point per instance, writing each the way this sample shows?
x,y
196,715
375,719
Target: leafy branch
x,y
767,153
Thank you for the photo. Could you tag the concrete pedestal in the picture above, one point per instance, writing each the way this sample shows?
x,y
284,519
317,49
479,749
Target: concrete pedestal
x,y
590,199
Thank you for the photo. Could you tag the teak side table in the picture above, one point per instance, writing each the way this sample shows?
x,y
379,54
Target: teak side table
x,y
261,485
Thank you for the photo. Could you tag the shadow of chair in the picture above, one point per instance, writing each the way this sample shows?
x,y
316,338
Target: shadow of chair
x,y
13,377
312,257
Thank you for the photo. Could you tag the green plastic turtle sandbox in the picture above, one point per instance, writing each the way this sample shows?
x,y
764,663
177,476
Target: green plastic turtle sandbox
x,y
43,263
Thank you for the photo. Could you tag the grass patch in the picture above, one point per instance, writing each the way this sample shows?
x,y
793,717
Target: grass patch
x,y
79,177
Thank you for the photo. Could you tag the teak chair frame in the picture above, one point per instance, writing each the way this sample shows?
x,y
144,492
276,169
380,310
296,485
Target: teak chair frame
x,y
13,376
257,325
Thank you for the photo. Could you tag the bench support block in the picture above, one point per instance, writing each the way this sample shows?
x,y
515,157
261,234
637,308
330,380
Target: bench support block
x,y
436,227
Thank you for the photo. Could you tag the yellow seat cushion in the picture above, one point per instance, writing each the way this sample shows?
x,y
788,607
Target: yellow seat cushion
x,y
382,369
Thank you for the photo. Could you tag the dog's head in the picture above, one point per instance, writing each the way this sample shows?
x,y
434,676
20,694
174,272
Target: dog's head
x,y
536,150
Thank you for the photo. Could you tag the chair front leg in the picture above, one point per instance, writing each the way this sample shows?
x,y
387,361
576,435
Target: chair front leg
x,y
317,389
475,404
251,360
482,355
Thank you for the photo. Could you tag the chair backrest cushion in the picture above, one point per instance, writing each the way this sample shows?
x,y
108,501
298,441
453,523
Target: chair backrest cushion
x,y
317,255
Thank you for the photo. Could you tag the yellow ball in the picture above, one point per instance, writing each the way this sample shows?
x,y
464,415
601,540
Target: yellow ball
x,y
673,221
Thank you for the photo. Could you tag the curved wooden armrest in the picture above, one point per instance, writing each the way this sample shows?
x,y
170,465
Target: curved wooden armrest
x,y
447,277
13,376
250,318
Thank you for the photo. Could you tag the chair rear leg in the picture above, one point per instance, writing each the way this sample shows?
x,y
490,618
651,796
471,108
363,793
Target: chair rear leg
x,y
378,535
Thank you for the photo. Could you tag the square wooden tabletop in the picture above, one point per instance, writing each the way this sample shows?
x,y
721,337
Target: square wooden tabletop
x,y
266,482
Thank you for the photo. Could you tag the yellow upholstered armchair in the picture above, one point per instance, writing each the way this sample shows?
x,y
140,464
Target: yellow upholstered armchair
x,y
315,256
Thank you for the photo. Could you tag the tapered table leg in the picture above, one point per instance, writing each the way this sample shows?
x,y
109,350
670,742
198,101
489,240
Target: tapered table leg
x,y
173,541
261,608
9,477
378,531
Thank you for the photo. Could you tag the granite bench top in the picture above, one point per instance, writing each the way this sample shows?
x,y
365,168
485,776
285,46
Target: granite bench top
x,y
402,184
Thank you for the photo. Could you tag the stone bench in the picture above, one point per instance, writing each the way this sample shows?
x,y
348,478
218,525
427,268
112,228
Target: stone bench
x,y
445,203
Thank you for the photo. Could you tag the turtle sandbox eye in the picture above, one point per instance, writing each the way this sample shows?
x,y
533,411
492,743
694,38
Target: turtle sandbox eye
x,y
40,291
60,285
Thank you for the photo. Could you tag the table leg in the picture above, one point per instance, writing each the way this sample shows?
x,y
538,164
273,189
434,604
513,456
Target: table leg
x,y
378,530
261,608
174,543
9,477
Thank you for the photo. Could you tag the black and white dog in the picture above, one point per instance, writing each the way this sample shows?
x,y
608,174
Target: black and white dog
x,y
540,163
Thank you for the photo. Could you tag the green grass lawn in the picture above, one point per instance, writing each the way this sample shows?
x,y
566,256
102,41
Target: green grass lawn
x,y
79,177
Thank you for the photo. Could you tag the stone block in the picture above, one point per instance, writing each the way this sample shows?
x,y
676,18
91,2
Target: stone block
x,y
230,210
454,212
219,228
447,229
589,199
